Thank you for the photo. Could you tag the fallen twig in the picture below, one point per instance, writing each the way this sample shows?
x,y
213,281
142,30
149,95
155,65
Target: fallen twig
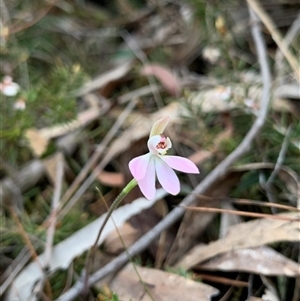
x,y
54,209
248,202
241,213
267,184
288,39
13,270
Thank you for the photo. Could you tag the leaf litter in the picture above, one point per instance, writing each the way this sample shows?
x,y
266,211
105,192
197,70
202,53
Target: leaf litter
x,y
67,250
149,57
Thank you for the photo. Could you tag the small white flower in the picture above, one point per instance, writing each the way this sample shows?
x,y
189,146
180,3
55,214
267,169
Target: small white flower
x,y
211,54
8,87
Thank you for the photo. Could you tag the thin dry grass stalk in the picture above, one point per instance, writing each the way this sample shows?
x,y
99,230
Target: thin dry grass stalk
x,y
241,213
249,202
30,247
282,45
222,280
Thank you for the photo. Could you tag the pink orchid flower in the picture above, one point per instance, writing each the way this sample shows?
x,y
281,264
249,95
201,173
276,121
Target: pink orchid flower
x,y
145,168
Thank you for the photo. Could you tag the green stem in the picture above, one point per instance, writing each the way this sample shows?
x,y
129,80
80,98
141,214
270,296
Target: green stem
x,y
115,205
111,209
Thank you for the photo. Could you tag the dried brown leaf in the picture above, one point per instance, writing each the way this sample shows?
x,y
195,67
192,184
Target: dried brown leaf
x,y
37,142
50,164
227,220
161,285
82,119
38,139
246,235
264,260
189,228
111,179
200,156
106,78
195,223
165,76
125,235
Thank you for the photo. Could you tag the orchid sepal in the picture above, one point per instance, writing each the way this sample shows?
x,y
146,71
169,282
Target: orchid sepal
x,y
159,126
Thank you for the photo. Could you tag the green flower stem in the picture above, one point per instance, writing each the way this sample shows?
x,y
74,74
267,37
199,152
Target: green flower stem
x,y
115,205
111,209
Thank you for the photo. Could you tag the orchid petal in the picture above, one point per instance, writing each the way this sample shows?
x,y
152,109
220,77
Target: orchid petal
x,y
159,126
169,143
139,166
180,163
147,184
166,176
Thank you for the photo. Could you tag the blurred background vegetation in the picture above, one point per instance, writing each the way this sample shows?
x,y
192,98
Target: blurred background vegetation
x,y
52,48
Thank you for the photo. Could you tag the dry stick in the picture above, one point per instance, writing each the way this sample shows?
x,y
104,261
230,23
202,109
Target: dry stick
x,y
269,284
268,22
137,93
250,286
288,39
227,295
267,185
54,210
11,272
296,294
281,156
52,221
248,202
82,175
222,280
211,178
264,204
242,213
159,256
